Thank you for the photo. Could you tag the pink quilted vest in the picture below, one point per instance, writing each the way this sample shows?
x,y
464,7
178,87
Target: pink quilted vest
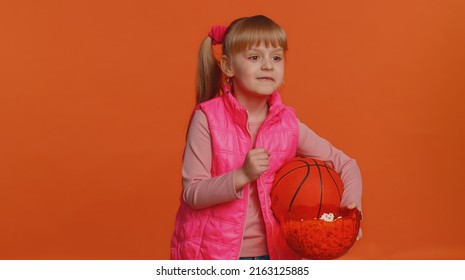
x,y
216,232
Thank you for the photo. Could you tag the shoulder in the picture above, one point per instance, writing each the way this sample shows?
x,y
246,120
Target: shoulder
x,y
291,110
199,124
305,132
211,103
199,118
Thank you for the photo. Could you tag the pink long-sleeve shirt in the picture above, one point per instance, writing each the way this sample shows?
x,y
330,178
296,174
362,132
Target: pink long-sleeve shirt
x,y
200,190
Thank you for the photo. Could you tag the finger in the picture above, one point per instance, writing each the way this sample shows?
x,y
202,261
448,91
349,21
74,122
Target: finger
x,y
352,205
259,158
263,168
359,235
259,151
263,162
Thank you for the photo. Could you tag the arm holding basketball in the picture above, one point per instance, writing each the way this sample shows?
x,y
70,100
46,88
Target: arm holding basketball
x,y
314,146
256,162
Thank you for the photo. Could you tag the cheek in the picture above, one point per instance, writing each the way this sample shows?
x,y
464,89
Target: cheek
x,y
244,74
279,72
282,72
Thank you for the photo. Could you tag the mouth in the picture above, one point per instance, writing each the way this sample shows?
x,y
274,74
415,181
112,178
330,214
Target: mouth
x,y
266,79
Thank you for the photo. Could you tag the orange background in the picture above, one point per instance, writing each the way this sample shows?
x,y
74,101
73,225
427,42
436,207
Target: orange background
x,y
95,98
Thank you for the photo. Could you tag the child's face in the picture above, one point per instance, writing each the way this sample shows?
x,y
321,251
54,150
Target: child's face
x,y
258,70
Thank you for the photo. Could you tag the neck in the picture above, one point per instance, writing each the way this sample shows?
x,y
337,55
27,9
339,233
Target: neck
x,y
256,106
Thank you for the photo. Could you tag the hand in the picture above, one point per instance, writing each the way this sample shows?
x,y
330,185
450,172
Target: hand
x,y
352,206
256,162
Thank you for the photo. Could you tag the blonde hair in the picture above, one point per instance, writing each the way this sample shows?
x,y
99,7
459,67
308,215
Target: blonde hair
x,y
241,34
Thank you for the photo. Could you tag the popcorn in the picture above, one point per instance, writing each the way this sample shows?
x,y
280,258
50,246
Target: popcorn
x,y
329,217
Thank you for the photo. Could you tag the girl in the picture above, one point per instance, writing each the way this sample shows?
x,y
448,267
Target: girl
x,y
239,135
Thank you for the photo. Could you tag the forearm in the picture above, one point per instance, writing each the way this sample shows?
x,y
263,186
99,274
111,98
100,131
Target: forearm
x,y
352,181
207,192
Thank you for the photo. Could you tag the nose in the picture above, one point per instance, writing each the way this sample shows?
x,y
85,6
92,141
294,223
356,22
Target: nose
x,y
267,64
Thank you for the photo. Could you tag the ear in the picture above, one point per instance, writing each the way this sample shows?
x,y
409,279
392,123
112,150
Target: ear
x,y
226,66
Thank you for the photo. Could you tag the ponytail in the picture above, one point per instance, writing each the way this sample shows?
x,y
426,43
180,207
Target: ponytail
x,y
208,73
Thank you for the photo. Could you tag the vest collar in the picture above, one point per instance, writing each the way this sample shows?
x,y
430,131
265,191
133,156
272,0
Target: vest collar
x,y
240,114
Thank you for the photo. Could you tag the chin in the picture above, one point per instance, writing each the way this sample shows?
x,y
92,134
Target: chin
x,y
264,93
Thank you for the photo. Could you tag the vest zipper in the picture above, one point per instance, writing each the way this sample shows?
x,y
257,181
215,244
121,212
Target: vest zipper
x,y
258,181
246,188
273,235
245,218
270,220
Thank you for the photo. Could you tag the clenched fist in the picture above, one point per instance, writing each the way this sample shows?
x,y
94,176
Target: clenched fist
x,y
256,162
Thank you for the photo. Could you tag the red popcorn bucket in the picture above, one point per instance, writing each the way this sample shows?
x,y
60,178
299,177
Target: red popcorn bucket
x,y
322,239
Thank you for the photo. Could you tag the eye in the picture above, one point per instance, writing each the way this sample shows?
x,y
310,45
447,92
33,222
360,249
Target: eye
x,y
253,57
277,58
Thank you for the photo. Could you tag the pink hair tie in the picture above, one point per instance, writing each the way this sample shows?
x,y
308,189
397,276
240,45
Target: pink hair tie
x,y
217,34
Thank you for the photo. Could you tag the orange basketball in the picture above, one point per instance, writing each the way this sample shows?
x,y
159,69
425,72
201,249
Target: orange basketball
x,y
306,188
305,198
